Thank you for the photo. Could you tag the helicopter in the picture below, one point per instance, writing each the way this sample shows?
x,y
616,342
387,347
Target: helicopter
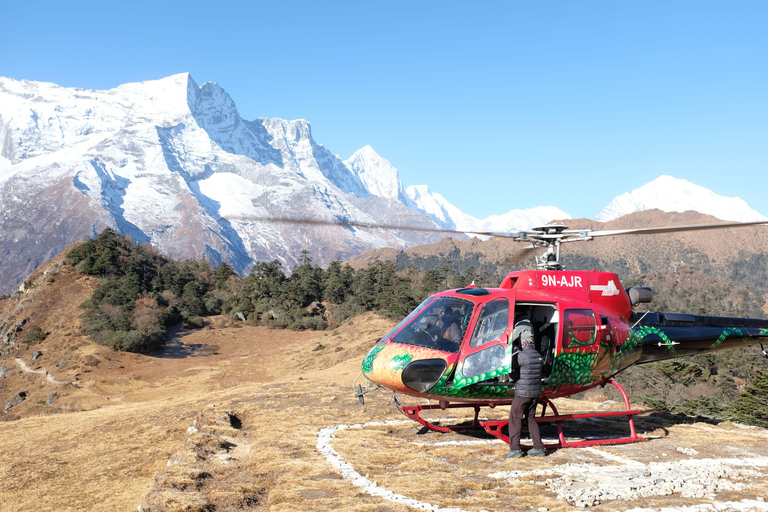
x,y
585,329
456,348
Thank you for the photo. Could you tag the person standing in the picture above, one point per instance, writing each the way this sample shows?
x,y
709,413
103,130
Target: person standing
x,y
527,392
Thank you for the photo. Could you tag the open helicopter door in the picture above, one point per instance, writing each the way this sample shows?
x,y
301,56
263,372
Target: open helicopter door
x,y
488,353
544,318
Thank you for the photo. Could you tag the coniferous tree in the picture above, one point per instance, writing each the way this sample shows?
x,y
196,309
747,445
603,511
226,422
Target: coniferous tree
x,y
752,405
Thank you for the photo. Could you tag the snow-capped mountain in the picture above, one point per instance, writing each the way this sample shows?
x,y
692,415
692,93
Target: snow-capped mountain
x,y
675,195
449,216
378,176
173,163
382,179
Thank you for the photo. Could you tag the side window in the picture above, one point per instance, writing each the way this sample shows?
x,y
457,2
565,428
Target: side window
x,y
580,328
492,322
483,361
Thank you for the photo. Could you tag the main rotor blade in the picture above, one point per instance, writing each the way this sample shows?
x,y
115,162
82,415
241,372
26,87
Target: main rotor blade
x,y
365,225
517,259
668,229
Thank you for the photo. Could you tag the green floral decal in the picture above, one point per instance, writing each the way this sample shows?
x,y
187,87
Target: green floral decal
x,y
400,362
368,361
731,331
441,389
573,342
573,368
460,381
629,346
646,330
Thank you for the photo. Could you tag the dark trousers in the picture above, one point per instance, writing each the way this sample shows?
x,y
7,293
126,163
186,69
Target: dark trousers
x,y
523,406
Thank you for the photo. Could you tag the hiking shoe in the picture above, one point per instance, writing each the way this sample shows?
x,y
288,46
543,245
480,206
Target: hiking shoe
x,y
537,452
513,454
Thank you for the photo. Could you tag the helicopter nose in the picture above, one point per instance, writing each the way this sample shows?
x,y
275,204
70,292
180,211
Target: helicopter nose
x,y
404,369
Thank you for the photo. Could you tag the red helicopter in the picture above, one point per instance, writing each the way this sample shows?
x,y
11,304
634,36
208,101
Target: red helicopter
x,y
456,347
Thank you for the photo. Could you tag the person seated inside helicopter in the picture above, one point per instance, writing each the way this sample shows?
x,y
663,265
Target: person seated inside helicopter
x,y
448,322
445,330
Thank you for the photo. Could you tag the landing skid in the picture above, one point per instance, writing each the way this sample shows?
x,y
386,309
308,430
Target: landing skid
x,y
495,427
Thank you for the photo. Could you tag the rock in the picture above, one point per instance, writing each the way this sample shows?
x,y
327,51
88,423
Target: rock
x,y
19,325
9,338
240,315
4,371
16,400
62,361
687,451
36,355
51,398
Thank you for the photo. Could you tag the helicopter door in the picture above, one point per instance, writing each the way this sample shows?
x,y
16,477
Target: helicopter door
x,y
580,345
487,353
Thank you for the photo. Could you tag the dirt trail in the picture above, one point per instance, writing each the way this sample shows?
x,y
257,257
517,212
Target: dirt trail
x,y
48,376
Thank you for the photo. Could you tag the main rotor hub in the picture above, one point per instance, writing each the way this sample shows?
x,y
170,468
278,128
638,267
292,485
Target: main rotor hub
x,y
548,236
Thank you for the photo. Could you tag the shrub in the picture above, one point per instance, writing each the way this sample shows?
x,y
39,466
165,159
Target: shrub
x,y
653,403
315,323
128,341
195,322
35,334
708,406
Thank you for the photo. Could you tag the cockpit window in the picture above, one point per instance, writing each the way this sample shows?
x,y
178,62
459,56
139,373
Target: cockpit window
x,y
492,322
439,325
410,317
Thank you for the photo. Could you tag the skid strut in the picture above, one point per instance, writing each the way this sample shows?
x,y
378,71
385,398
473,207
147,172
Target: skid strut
x,y
495,427
413,412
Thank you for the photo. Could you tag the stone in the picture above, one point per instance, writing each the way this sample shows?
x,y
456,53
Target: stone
x,y
16,400
51,398
62,361
36,355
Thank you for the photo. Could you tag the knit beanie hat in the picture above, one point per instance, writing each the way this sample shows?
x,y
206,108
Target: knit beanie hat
x,y
526,339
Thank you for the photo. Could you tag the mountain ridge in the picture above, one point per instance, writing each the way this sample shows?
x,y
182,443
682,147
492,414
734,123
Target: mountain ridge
x,y
167,161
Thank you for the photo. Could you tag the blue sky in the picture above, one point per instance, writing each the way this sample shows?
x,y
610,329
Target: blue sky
x,y
497,105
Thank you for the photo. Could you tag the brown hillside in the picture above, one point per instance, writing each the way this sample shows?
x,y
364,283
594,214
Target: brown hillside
x,y
629,255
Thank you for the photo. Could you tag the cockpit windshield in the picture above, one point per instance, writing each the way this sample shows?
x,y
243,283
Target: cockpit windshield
x,y
439,325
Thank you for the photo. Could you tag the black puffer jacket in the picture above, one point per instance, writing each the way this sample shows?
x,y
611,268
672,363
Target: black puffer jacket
x,y
529,384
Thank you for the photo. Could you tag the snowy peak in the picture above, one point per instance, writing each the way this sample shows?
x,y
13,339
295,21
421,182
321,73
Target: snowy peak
x,y
213,108
376,174
450,217
677,195
38,118
436,206
382,179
